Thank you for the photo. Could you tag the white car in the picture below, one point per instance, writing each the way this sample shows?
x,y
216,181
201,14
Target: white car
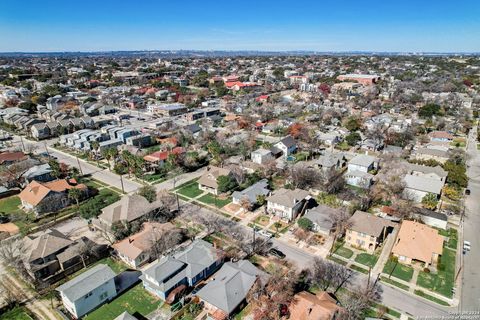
x,y
467,245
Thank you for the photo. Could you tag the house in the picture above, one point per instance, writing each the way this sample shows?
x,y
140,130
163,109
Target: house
x,y
417,187
261,156
417,242
431,218
431,154
227,292
44,197
321,217
208,181
287,204
9,157
287,146
442,136
358,173
40,131
251,193
89,290
193,129
40,173
367,231
319,306
48,253
331,161
181,270
136,249
129,208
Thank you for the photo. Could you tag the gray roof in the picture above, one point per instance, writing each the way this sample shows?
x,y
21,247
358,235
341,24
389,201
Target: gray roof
x,y
439,171
187,263
432,152
45,243
37,171
125,316
251,193
288,198
330,159
424,184
363,160
230,285
431,214
129,208
86,282
321,215
288,141
368,223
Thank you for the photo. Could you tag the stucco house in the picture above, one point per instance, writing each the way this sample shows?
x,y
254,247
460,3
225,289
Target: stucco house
x,y
418,242
367,231
208,181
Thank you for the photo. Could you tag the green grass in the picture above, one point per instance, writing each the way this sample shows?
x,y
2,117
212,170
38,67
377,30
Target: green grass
x,y
431,298
17,313
190,191
359,269
366,259
210,199
340,250
116,266
11,205
452,238
137,299
394,283
336,260
401,271
262,220
443,281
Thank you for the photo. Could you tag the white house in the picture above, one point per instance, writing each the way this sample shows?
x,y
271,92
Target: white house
x,y
287,204
261,156
89,290
358,171
287,145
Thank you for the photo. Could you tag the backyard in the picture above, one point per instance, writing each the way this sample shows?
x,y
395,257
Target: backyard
x,y
137,299
11,205
443,281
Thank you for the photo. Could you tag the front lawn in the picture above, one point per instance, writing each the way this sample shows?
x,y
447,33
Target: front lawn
x,y
190,191
443,281
401,271
452,238
431,298
359,269
263,220
210,199
394,283
137,299
340,250
366,259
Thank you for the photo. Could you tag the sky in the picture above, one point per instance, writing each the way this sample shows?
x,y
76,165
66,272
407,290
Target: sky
x,y
338,25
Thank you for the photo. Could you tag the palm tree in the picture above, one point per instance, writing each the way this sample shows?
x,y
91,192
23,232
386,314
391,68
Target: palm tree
x,y
95,145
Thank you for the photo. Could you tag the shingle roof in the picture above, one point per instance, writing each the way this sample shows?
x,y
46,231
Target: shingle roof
x,y
363,160
129,208
418,241
209,178
45,243
251,193
423,184
368,223
230,285
86,282
288,198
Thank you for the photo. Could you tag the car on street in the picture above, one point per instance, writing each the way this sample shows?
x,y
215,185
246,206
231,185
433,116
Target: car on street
x,y
277,253
265,233
467,245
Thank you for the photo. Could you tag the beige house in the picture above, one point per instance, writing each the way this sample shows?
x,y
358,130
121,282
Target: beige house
x,y
287,204
367,231
417,242
136,249
208,181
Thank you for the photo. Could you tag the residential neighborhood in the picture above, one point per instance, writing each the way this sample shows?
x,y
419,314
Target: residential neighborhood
x,y
201,185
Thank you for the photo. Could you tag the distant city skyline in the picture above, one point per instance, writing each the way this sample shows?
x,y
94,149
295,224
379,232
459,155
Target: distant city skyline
x,y
383,26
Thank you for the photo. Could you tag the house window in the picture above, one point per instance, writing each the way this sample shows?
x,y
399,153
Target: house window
x,y
88,295
103,296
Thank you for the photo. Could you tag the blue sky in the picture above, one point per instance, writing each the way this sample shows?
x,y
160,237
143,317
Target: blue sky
x,y
341,25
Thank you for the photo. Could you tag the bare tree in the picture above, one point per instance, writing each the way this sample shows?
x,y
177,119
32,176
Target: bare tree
x,y
340,222
390,181
12,253
163,240
328,275
359,299
246,204
304,177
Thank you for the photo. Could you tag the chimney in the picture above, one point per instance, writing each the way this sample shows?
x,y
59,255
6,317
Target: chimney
x,y
310,310
130,240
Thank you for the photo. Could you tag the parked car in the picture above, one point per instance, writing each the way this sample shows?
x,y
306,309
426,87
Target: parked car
x,y
277,253
467,192
265,233
467,245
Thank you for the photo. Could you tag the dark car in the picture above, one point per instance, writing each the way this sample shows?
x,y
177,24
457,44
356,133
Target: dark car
x,y
467,192
276,253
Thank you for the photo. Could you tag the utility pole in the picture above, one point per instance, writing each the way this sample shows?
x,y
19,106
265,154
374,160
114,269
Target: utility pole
x,y
46,149
176,194
79,166
121,182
